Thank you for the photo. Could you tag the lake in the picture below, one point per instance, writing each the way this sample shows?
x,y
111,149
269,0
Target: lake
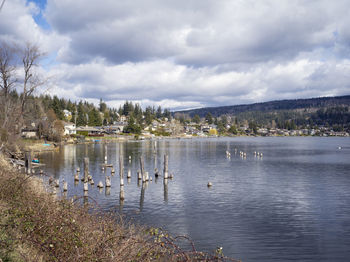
x,y
291,204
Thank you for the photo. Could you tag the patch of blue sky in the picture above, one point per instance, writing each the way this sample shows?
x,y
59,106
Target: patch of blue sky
x,y
49,61
39,17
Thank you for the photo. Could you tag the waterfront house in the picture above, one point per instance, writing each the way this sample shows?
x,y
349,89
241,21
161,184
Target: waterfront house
x,y
29,132
116,128
69,128
88,130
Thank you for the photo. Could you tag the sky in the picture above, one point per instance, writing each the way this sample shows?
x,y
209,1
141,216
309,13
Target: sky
x,y
186,53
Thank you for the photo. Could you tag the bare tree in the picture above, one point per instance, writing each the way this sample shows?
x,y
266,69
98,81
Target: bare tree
x,y
7,80
2,4
30,57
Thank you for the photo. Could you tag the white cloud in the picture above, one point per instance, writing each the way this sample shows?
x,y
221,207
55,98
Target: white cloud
x,y
188,53
177,86
193,33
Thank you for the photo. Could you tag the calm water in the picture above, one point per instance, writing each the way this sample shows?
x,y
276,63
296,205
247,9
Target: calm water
x,y
293,204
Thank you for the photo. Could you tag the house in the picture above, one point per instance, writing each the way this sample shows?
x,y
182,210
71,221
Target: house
x,y
123,118
116,128
210,129
88,130
69,128
29,132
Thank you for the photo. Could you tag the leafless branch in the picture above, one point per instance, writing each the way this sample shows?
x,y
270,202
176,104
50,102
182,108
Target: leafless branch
x,y
2,4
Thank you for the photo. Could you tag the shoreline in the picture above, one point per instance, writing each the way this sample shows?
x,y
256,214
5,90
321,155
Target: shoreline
x,y
36,225
38,146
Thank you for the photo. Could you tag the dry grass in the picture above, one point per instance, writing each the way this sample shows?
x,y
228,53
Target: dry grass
x,y
35,226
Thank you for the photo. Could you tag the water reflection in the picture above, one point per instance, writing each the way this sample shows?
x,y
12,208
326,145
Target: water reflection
x,y
286,205
142,196
165,190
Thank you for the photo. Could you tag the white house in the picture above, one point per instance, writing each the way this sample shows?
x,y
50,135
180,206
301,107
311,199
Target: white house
x,y
29,132
69,128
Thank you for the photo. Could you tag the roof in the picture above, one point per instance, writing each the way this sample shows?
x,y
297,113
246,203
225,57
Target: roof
x,y
87,128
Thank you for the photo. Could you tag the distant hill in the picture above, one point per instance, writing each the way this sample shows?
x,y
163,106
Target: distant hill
x,y
317,103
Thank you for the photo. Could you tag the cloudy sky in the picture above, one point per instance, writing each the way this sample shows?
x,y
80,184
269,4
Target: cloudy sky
x,y
186,53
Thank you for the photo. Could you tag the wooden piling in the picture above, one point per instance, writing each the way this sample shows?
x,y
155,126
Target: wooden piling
x,y
155,147
139,175
166,162
86,169
28,162
142,196
121,196
108,181
105,153
121,165
165,184
65,186
142,166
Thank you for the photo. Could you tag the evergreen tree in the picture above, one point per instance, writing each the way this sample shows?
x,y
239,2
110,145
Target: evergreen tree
x,y
159,112
81,119
102,106
128,108
209,118
221,128
94,118
233,130
196,119
132,127
57,107
148,115
167,113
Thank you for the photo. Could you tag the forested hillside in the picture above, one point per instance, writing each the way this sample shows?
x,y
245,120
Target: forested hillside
x,y
287,114
321,102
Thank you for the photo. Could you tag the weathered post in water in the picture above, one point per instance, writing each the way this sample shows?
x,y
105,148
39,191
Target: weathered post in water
x,y
139,175
142,166
65,186
105,153
121,195
108,181
166,162
155,147
28,162
142,196
165,190
121,169
86,169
